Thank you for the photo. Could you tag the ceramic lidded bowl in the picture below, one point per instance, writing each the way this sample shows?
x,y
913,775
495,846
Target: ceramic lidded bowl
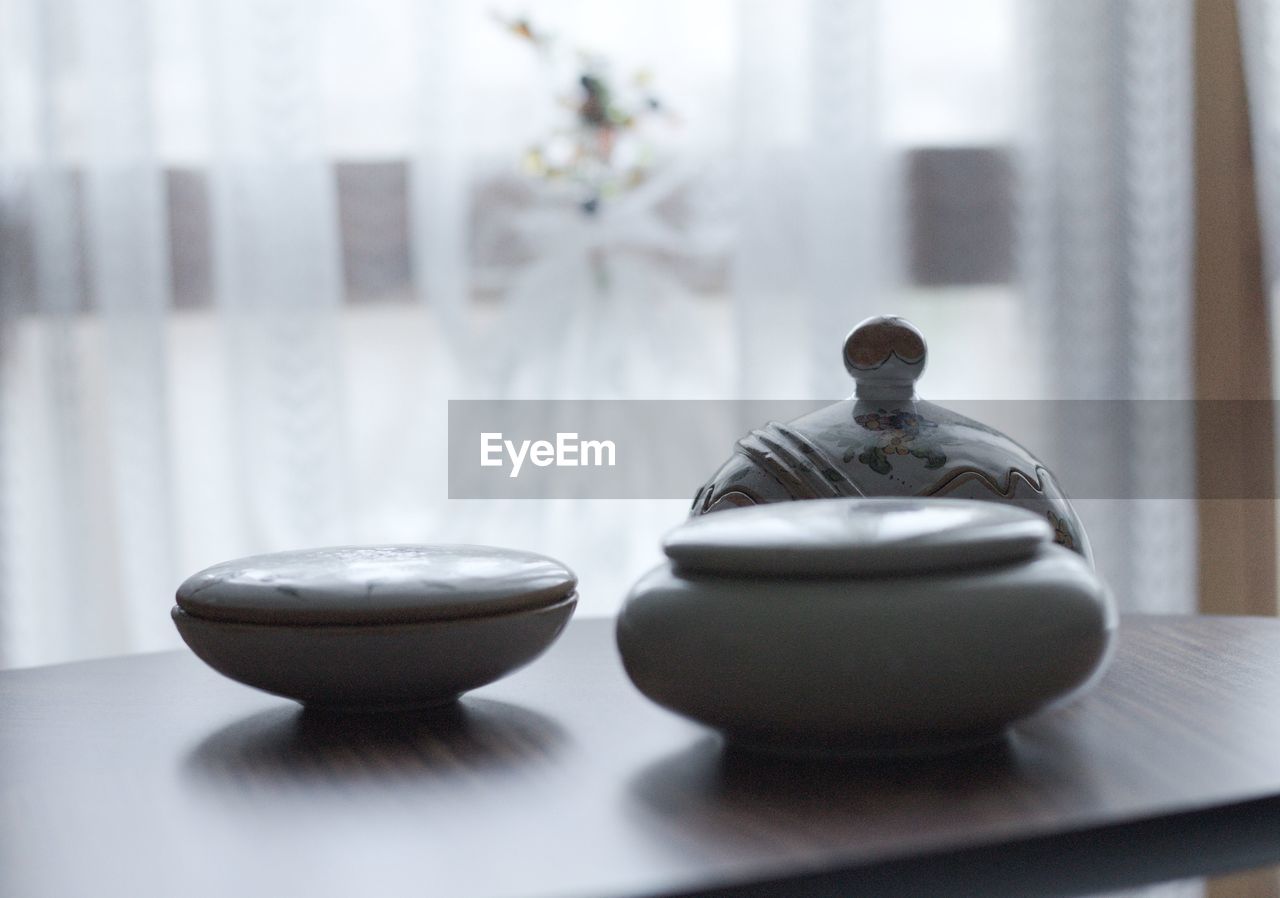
x,y
375,627
886,441
865,626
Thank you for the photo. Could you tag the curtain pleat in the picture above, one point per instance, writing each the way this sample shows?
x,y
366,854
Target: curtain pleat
x,y
277,271
808,150
1106,248
127,262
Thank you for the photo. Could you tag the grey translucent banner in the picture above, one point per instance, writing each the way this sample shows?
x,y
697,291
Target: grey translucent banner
x,y
666,449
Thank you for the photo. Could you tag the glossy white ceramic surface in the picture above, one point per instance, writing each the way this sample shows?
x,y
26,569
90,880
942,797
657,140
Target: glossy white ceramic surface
x,y
375,584
375,627
379,666
895,664
856,537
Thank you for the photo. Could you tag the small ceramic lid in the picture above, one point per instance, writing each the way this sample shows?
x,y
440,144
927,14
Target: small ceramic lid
x,y
856,537
375,585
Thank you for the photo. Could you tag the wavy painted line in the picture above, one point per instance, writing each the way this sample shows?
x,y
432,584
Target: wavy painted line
x,y
962,476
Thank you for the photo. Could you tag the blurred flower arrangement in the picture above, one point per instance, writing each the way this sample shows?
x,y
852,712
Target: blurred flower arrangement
x,y
602,153
597,311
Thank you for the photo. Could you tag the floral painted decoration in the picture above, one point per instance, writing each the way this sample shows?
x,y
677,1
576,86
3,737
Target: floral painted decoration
x,y
905,433
1062,534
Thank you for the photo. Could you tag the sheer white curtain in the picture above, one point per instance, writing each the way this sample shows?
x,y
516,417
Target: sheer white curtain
x,y
248,251
1107,252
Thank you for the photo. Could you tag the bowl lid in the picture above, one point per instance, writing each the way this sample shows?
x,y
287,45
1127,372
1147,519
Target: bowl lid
x,y
856,537
885,440
375,585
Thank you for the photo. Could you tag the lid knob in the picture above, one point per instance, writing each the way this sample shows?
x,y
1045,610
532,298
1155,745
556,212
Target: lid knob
x,y
885,355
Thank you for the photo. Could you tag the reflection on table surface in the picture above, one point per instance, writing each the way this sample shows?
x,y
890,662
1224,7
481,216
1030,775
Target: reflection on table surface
x,y
1264,882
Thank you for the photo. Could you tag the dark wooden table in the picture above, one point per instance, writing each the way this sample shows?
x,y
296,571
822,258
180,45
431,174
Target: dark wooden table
x,y
153,776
